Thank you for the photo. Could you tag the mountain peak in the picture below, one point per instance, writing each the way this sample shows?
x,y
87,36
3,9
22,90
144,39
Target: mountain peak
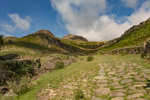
x,y
45,32
75,38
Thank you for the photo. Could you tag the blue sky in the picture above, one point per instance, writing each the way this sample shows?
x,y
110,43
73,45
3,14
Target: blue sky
x,y
41,13
97,20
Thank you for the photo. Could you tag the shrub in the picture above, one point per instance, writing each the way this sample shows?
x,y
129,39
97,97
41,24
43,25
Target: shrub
x,y
90,58
78,94
19,68
59,65
21,86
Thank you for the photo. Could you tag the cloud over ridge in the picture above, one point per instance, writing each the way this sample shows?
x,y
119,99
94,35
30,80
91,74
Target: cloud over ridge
x,y
88,18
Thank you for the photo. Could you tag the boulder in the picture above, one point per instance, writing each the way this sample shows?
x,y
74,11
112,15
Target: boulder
x,y
50,64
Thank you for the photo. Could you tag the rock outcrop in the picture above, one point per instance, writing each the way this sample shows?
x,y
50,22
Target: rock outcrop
x,y
75,38
46,32
146,50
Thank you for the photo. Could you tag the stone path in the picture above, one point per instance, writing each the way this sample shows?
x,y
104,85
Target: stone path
x,y
122,81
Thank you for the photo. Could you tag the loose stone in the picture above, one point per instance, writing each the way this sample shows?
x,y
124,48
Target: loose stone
x,y
102,91
133,96
96,98
118,98
117,94
126,81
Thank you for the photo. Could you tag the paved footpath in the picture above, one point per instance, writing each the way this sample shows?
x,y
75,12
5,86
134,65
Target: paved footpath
x,y
122,82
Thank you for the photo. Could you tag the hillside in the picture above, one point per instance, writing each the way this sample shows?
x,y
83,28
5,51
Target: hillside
x,y
135,36
42,41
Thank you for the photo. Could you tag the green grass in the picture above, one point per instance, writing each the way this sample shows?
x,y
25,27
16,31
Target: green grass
x,y
136,59
126,58
56,77
136,38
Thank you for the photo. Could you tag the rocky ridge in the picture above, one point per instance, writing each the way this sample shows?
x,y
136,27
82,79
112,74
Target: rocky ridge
x,y
126,33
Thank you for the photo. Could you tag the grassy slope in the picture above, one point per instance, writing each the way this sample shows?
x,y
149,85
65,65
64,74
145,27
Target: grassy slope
x,y
136,38
26,46
136,59
33,42
56,77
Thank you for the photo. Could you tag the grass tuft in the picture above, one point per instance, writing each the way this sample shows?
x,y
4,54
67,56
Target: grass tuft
x,y
90,58
59,65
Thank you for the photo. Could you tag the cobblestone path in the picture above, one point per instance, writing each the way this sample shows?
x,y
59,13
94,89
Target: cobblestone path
x,y
123,81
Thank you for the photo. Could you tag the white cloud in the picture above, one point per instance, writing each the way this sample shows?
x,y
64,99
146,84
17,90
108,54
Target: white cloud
x,y
130,3
18,23
141,14
8,28
21,23
87,18
105,28
4,34
82,12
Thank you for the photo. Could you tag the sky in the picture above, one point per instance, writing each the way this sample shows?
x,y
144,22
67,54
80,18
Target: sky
x,y
97,20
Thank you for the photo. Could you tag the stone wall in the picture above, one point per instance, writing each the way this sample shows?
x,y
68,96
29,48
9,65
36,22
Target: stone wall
x,y
128,50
